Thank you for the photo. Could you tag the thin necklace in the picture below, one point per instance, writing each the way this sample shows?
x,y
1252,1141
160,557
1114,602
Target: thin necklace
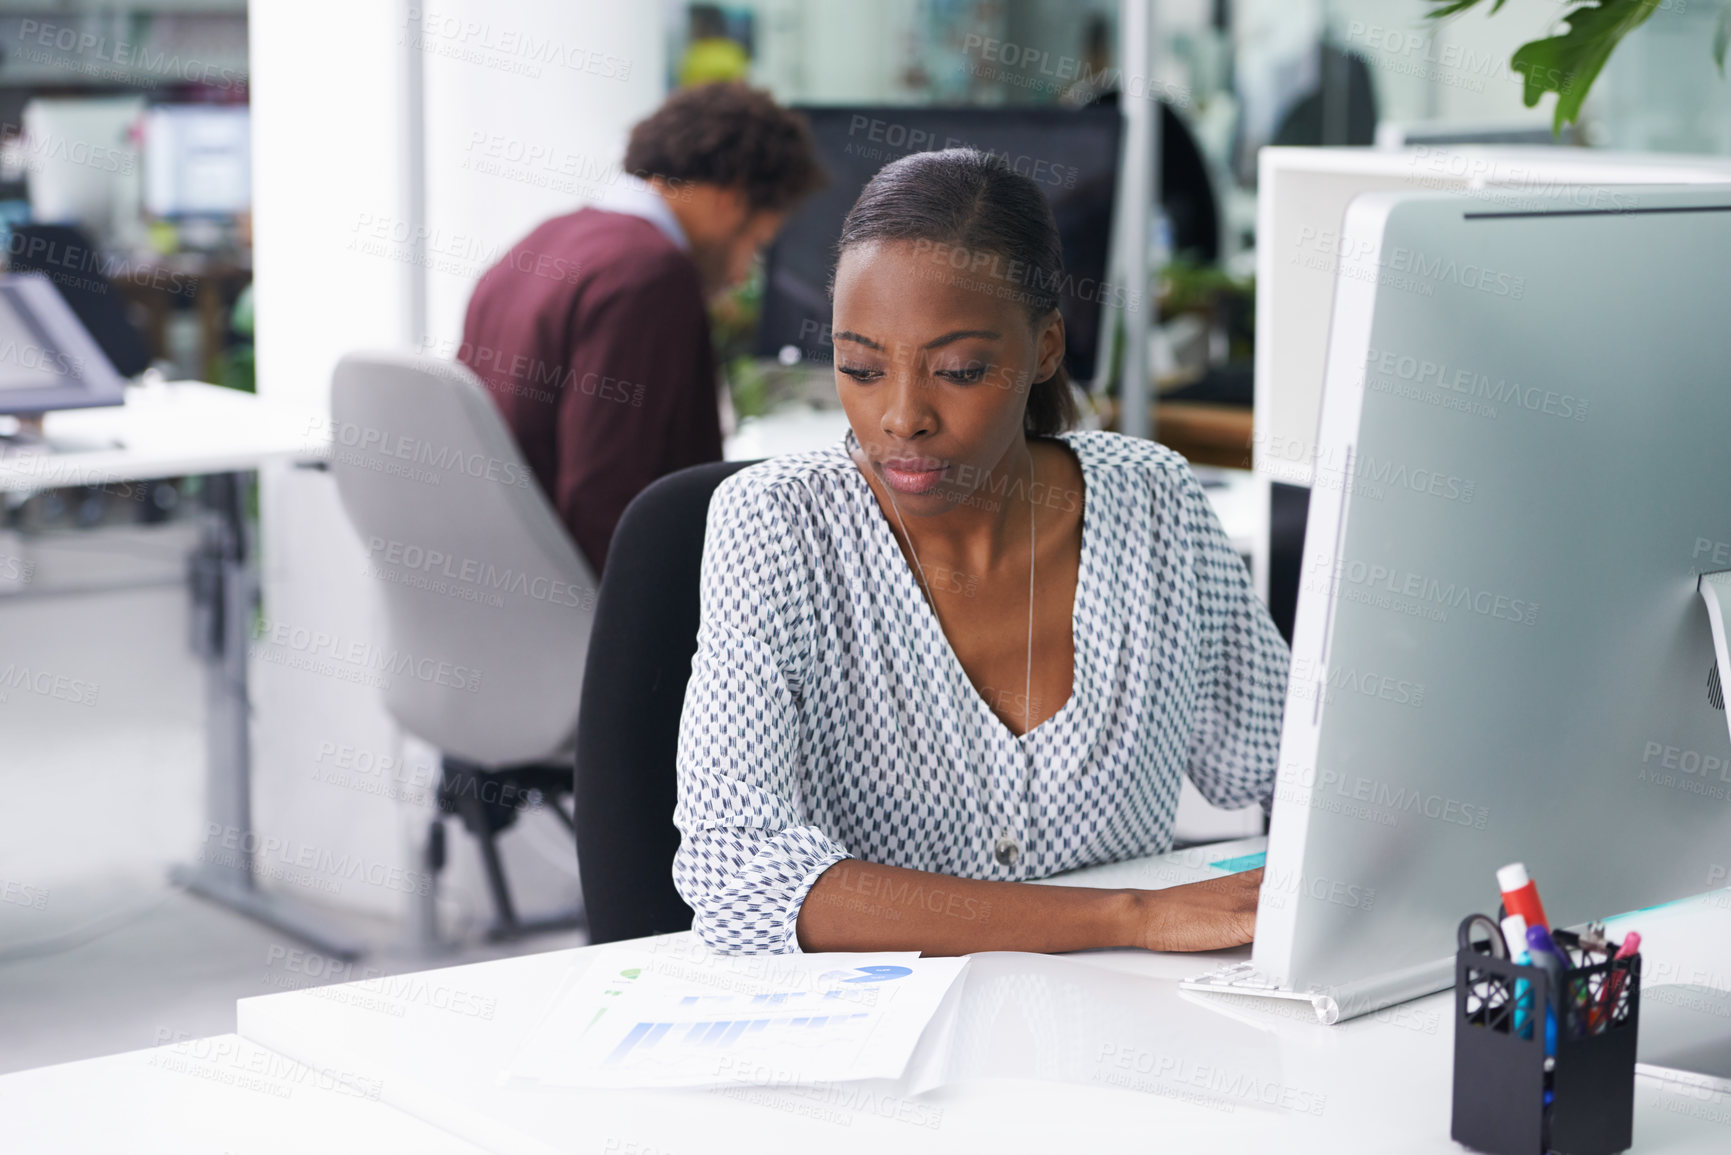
x,y
1006,850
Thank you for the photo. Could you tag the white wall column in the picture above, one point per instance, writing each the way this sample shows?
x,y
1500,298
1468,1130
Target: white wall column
x,y
365,237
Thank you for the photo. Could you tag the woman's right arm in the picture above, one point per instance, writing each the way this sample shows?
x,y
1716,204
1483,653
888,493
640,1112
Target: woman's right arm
x,y
745,858
861,906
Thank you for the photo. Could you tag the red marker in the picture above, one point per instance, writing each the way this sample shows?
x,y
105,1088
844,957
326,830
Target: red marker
x,y
1614,981
1521,896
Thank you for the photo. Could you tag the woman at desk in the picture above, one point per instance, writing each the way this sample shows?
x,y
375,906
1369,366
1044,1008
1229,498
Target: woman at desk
x,y
966,647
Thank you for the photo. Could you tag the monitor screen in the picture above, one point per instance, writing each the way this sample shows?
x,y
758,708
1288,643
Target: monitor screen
x,y
48,360
1071,154
27,361
197,160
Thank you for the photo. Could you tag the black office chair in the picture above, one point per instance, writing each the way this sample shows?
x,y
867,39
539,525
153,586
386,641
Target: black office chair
x,y
1186,190
1341,110
1289,509
640,651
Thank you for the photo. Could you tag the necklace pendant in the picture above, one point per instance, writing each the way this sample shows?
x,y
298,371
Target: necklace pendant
x,y
1007,851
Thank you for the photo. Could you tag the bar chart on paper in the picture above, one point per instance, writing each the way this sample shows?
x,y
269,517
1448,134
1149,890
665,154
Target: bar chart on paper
x,y
767,1015
638,1018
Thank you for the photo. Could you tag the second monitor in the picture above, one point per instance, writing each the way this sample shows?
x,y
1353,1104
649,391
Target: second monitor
x,y
1071,155
48,360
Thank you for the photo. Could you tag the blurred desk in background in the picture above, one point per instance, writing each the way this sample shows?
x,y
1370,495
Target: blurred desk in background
x,y
181,429
159,286
1203,432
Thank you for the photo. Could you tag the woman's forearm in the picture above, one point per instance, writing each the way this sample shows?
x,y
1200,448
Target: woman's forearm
x,y
861,906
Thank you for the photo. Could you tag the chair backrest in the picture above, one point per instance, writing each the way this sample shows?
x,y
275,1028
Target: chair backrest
x,y
628,730
488,603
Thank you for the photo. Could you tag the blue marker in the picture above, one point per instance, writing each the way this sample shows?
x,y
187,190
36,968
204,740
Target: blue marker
x,y
1546,954
1515,934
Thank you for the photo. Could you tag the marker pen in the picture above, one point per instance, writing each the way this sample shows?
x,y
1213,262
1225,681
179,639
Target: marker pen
x,y
1545,954
1515,934
1614,982
1521,895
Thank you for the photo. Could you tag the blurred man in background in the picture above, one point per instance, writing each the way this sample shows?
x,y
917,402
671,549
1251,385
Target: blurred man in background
x,y
592,333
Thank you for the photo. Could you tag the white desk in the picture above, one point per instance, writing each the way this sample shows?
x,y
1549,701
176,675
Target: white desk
x,y
166,429
412,1067
215,1096
1377,1083
185,428
442,1066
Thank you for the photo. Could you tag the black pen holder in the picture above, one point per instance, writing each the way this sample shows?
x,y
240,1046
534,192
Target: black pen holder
x,y
1510,1097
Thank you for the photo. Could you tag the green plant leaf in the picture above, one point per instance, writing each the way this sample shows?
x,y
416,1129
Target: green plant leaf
x,y
1721,39
1446,8
1568,64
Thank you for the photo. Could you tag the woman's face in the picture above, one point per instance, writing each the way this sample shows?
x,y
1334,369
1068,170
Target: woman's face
x,y
934,354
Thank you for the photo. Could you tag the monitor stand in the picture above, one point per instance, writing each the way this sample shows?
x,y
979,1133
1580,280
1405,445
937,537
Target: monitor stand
x,y
1333,1004
1378,991
1244,979
1686,1029
1716,592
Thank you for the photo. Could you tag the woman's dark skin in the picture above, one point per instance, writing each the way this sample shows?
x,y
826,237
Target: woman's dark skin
x,y
934,375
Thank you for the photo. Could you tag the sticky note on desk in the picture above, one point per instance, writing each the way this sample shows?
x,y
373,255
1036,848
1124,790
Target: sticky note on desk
x,y
1242,863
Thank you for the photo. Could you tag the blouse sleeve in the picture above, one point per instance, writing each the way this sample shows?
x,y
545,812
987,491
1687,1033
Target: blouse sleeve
x,y
1241,690
745,860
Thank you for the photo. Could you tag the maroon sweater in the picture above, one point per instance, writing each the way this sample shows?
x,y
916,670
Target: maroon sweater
x,y
592,336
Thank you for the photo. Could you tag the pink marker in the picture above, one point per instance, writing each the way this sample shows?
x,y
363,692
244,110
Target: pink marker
x,y
1614,982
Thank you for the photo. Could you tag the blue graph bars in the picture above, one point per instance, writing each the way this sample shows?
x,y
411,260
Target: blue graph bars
x,y
717,1034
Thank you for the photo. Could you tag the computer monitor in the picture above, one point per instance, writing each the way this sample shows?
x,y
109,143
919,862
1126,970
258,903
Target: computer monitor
x,y
47,360
1534,131
80,162
1302,194
1071,154
197,160
1502,651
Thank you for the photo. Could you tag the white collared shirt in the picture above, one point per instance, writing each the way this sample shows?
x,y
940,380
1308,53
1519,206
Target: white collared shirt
x,y
636,197
827,716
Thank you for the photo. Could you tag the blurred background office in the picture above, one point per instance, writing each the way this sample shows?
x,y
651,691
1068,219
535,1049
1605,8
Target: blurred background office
x,y
241,194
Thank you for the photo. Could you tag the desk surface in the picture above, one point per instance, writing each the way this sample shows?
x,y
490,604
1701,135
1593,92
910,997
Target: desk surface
x,y
215,1096
1229,1074
1276,1080
409,1035
166,429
